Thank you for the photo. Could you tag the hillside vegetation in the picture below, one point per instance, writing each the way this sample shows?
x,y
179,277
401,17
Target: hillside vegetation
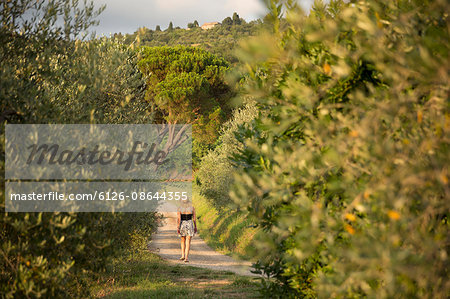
x,y
220,40
333,168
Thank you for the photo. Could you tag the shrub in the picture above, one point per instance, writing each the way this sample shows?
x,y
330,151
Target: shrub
x,y
215,174
49,74
350,182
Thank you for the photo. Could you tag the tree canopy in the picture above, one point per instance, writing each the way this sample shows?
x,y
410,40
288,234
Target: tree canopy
x,y
186,85
183,82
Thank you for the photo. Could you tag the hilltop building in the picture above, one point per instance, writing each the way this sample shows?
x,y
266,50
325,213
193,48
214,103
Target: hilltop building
x,y
209,25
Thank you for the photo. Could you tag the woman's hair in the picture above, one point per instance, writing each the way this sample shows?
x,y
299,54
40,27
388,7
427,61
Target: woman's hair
x,y
185,204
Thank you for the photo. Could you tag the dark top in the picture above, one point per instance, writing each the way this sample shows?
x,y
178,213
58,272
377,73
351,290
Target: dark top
x,y
186,217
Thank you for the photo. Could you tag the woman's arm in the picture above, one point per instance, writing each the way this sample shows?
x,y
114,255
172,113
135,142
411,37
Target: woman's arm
x,y
178,221
194,218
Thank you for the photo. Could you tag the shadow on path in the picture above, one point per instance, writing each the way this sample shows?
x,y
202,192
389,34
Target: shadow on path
x,y
166,243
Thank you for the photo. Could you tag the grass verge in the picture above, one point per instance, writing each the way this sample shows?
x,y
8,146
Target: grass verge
x,y
146,275
226,231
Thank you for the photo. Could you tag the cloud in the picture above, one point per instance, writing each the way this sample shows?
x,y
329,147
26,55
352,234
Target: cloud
x,y
246,8
177,5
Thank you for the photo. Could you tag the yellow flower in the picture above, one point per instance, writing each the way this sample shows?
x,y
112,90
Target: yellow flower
x,y
393,215
353,133
350,229
419,116
378,20
444,178
350,217
327,68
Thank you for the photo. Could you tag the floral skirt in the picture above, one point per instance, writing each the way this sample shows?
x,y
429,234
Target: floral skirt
x,y
187,228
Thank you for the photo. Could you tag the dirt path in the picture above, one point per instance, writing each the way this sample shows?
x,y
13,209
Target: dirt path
x,y
166,243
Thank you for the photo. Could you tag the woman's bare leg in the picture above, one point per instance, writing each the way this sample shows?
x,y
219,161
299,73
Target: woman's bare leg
x,y
188,247
183,246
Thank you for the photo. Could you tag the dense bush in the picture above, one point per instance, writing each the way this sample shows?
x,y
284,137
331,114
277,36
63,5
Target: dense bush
x,y
350,181
49,74
215,174
99,81
45,78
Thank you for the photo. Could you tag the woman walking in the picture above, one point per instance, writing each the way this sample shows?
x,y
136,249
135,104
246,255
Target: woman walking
x,y
186,227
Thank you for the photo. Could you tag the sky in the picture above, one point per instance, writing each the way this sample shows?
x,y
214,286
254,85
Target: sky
x,y
127,16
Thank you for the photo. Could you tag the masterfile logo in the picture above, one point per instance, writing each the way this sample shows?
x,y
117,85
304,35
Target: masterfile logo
x,y
98,152
97,168
53,154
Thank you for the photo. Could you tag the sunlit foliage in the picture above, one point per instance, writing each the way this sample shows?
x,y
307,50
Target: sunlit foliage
x,y
187,85
349,181
215,174
50,74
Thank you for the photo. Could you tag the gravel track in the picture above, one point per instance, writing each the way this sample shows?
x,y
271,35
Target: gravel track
x,y
166,243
